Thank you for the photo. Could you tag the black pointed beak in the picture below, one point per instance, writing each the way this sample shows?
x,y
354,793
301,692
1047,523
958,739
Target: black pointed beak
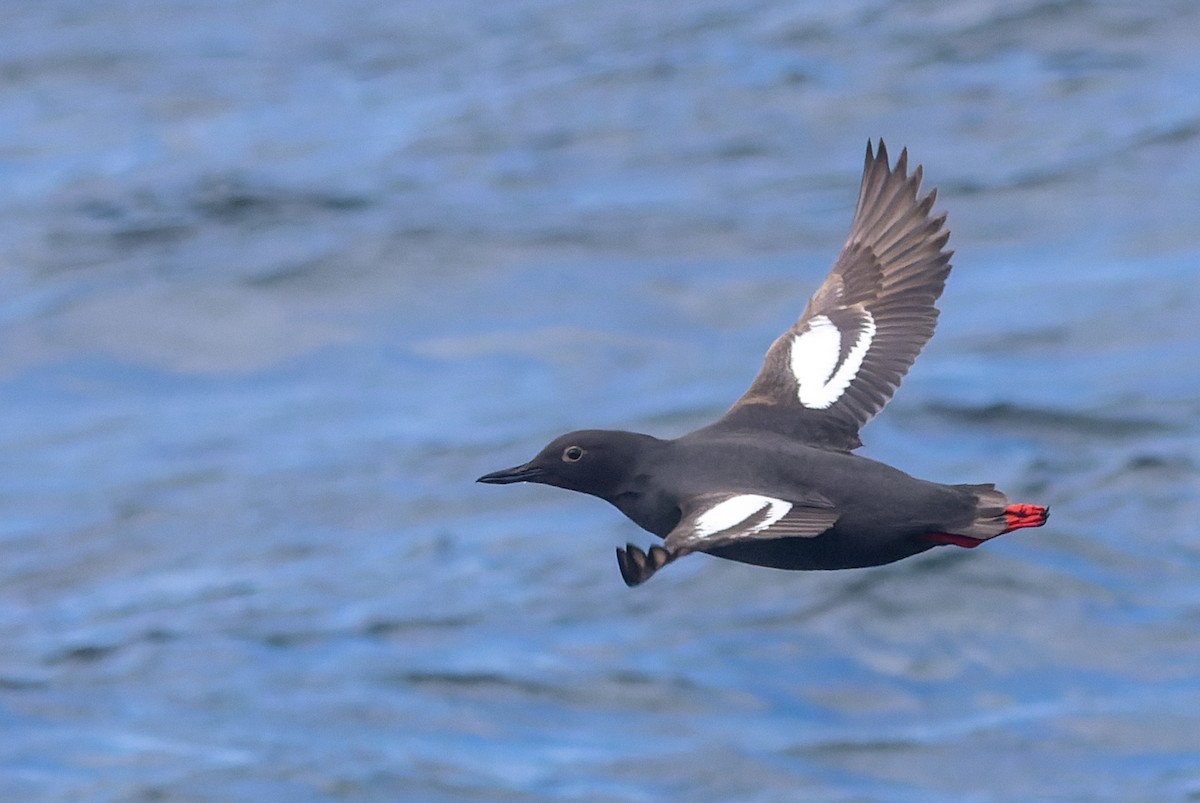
x,y
524,473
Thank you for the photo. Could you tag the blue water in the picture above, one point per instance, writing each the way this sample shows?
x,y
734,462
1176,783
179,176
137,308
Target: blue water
x,y
279,280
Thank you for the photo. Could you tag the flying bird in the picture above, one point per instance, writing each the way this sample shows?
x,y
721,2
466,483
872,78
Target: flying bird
x,y
774,481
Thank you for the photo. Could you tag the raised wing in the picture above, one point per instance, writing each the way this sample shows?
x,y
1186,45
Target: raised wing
x,y
720,519
842,360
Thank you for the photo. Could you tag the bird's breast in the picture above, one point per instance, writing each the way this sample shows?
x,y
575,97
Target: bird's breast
x,y
652,511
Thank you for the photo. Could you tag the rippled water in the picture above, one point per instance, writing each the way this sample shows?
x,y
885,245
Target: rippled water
x,y
278,280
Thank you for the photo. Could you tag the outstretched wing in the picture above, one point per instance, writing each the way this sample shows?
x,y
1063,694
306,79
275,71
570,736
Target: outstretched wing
x,y
720,519
842,360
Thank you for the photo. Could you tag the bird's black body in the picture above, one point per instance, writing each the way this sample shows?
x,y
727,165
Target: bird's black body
x,y
774,482
882,509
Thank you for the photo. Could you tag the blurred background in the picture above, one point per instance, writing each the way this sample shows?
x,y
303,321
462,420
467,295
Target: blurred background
x,y
278,280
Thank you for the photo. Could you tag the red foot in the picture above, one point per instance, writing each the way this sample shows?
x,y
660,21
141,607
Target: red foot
x,y
1018,516
1015,516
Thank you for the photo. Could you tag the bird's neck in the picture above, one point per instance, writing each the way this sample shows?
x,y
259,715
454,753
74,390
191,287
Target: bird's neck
x,y
640,499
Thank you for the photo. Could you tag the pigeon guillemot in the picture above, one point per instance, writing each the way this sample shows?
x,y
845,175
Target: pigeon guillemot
x,y
773,481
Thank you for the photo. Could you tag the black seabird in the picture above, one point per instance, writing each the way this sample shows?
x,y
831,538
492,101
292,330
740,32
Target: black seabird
x,y
774,482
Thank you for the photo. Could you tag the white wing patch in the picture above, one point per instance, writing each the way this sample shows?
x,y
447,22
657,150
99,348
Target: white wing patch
x,y
814,360
737,509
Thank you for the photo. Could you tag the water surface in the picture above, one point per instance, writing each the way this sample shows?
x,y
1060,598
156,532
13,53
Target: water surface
x,y
279,281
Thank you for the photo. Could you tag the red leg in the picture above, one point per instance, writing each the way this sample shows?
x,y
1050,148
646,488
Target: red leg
x,y
1015,517
964,541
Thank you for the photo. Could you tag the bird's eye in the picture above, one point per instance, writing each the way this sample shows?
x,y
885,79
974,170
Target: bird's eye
x,y
572,454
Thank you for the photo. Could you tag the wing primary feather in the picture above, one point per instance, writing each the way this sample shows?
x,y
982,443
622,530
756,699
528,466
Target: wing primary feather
x,y
892,269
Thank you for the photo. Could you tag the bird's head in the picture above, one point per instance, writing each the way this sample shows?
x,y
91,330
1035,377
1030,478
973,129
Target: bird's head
x,y
592,461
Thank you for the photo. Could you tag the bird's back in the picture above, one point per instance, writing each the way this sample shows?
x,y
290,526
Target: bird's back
x,y
866,493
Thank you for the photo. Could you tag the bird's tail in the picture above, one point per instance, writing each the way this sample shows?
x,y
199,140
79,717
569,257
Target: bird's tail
x,y
993,516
